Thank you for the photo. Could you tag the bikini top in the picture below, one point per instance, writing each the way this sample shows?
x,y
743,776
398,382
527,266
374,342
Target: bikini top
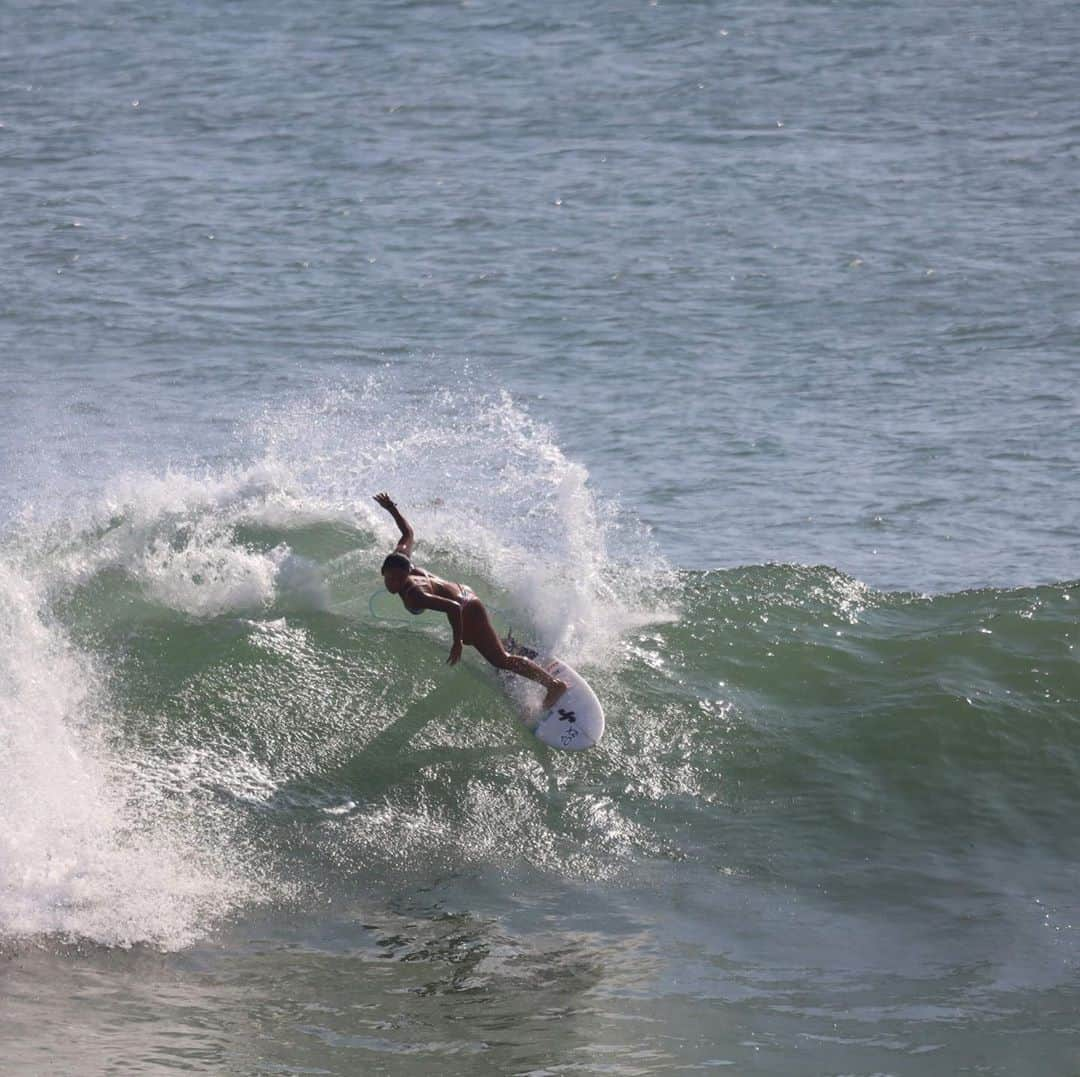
x,y
466,593
415,613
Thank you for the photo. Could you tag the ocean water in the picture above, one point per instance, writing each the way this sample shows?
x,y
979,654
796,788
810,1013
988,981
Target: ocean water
x,y
730,352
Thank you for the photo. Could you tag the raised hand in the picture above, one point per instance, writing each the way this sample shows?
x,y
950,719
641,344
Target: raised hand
x,y
406,544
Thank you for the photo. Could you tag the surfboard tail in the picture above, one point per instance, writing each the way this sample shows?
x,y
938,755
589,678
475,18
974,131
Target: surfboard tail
x,y
514,647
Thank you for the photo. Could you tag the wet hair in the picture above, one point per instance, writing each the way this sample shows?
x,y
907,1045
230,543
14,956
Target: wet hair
x,y
396,560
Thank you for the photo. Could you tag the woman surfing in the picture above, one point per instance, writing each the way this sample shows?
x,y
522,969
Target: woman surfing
x,y
422,590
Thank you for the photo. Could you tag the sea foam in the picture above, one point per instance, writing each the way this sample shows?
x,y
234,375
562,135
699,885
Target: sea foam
x,y
84,852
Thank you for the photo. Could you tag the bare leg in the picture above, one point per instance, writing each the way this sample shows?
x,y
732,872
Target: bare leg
x,y
480,634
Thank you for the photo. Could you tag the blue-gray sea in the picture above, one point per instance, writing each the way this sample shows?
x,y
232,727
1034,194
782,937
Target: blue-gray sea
x,y
729,351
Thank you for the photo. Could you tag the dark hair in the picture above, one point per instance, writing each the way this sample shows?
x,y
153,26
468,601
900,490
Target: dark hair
x,y
396,560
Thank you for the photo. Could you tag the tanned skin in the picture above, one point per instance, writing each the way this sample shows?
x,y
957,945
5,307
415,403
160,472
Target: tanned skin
x,y
422,590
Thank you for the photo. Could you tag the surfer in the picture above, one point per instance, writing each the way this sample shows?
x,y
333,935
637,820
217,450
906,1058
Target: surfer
x,y
422,590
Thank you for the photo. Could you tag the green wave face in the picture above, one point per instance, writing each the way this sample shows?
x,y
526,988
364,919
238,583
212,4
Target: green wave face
x,y
778,714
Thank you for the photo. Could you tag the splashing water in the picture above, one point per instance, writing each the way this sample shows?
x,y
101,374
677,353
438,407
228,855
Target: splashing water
x,y
488,490
80,855
124,813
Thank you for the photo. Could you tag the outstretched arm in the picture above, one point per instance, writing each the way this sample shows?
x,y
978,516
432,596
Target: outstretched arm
x,y
405,544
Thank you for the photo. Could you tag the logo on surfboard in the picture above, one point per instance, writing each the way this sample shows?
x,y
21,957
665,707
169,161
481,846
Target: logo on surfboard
x,y
571,733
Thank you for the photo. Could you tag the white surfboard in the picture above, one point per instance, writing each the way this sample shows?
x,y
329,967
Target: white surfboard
x,y
577,719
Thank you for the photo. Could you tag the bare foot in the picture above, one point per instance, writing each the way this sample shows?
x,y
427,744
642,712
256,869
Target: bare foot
x,y
554,694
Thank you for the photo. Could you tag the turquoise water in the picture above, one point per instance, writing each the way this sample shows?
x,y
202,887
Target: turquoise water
x,y
731,353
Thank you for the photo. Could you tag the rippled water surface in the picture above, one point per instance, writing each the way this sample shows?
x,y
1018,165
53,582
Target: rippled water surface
x,y
730,352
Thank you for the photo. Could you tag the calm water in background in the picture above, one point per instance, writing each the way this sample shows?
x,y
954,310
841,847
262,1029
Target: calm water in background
x,y
610,296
